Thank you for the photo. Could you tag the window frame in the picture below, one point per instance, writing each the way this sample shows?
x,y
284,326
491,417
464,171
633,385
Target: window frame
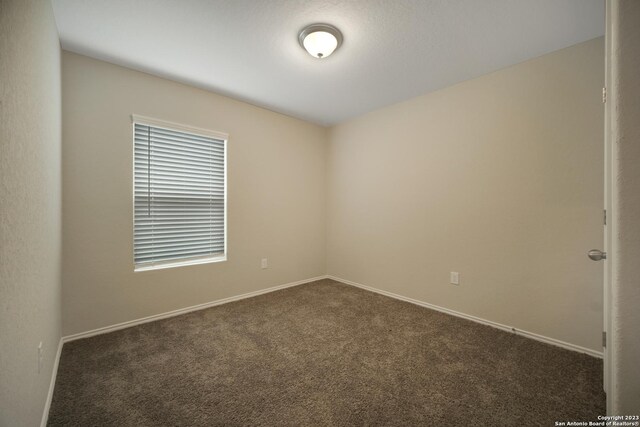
x,y
171,126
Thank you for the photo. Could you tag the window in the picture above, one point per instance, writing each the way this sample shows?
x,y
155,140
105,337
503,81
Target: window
x,y
179,195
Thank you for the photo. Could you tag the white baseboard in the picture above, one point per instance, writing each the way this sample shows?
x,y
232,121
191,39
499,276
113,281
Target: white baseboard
x,y
52,384
180,311
527,334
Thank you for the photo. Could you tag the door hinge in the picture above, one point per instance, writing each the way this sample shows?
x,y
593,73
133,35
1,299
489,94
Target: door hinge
x,y
605,217
604,339
604,95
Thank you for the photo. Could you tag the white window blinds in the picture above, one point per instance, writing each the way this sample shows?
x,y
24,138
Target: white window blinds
x,y
179,196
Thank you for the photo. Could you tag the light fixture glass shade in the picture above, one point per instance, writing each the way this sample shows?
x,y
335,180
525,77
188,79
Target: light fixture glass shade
x,y
320,40
320,44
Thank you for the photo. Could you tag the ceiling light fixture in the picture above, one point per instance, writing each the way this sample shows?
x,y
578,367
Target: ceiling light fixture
x,y
320,40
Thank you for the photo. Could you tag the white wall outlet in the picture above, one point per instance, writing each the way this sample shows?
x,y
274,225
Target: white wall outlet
x,y
40,354
264,263
454,278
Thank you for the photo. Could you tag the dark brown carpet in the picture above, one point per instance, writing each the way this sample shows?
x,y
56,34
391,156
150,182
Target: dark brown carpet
x,y
321,354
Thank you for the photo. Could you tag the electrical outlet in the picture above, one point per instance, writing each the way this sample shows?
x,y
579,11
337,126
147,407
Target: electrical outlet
x,y
455,278
264,263
40,354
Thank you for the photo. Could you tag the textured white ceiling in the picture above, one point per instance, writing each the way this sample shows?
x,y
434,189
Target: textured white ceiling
x,y
393,49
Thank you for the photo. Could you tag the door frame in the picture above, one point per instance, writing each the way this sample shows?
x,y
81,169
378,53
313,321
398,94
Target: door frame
x,y
608,216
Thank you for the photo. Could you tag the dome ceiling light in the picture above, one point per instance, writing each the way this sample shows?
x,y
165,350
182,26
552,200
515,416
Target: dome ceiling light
x,y
320,40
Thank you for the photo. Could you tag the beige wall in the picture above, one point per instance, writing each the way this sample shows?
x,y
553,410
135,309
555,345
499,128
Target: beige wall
x,y
498,178
30,223
275,196
624,59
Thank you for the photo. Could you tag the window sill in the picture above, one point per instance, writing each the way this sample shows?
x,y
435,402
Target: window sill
x,y
173,264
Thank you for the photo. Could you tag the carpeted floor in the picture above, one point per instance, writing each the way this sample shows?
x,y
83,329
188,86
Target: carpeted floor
x,y
321,354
